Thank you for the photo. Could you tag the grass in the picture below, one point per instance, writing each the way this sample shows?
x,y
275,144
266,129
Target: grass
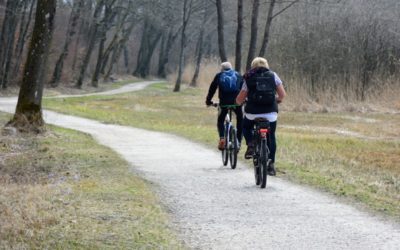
x,y
62,190
351,155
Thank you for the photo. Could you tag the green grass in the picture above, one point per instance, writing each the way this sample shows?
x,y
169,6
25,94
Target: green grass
x,y
365,168
62,190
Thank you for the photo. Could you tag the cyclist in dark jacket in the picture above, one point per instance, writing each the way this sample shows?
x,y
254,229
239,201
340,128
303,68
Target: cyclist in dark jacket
x,y
260,88
227,92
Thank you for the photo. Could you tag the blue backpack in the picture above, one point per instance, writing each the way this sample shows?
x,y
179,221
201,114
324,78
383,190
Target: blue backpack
x,y
228,81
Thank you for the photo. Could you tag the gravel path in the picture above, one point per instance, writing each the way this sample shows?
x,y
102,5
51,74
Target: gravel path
x,y
214,207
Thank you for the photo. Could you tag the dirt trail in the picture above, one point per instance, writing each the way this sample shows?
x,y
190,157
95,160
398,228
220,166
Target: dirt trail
x,y
214,207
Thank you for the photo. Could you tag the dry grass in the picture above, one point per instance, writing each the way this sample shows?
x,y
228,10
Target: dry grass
x,y
327,99
63,191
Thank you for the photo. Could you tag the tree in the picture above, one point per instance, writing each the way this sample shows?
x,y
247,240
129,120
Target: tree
x,y
239,36
7,38
28,114
270,17
253,35
73,21
150,37
187,10
92,41
23,33
221,38
200,45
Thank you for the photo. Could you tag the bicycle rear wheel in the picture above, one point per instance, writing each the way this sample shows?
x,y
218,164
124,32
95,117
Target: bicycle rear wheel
x,y
263,163
257,173
233,147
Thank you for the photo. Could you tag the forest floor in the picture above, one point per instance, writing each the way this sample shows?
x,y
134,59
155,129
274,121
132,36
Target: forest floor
x,y
334,156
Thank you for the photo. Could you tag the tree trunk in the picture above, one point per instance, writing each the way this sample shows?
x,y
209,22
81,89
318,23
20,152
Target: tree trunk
x,y
165,51
105,25
73,21
200,48
7,38
239,37
126,59
185,20
24,28
253,36
149,41
221,40
28,114
267,28
92,42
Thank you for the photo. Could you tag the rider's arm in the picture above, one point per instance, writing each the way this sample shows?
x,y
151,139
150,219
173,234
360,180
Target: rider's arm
x,y
212,89
281,92
242,94
241,97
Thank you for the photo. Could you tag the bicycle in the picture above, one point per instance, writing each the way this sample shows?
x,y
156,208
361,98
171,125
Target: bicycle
x,y
261,159
231,148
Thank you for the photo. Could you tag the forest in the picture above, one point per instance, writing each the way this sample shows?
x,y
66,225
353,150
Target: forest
x,y
324,49
108,141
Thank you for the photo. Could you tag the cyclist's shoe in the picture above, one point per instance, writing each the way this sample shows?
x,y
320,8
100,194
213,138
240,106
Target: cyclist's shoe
x,y
271,169
221,144
249,152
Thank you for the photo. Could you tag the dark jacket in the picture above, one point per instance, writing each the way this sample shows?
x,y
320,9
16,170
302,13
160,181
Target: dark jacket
x,y
265,78
225,98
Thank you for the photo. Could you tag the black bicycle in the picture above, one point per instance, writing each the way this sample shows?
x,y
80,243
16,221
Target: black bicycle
x,y
261,159
231,148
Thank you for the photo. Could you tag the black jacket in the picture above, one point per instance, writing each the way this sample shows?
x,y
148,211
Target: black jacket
x,y
225,98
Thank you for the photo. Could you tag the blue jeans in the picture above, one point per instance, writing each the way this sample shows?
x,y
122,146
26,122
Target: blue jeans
x,y
248,126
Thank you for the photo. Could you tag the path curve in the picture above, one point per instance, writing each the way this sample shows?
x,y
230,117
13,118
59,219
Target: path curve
x,y
214,207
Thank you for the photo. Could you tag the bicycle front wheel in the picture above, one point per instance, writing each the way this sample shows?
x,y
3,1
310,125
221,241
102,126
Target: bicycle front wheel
x,y
233,147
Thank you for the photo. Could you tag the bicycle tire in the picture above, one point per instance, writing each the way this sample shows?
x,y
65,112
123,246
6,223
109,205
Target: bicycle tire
x,y
225,152
264,163
257,174
233,147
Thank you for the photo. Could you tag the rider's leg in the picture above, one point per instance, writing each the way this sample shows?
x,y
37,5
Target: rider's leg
x,y
248,136
272,141
272,148
247,130
220,125
239,123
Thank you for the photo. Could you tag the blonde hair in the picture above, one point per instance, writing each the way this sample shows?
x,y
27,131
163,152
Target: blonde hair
x,y
259,62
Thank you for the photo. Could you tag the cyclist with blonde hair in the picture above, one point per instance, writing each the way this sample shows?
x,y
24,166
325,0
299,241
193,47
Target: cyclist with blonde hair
x,y
263,90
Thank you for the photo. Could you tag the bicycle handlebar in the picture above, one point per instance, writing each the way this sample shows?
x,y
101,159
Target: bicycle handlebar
x,y
224,106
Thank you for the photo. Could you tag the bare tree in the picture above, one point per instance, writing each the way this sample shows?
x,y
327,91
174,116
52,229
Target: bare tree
x,y
271,16
200,45
221,39
187,9
73,21
239,36
92,41
7,38
23,33
29,107
254,31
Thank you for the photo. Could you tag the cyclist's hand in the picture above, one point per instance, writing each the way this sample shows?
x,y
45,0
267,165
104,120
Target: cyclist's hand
x,y
209,103
278,101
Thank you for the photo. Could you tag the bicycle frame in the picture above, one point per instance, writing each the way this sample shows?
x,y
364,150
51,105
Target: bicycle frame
x,y
231,142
